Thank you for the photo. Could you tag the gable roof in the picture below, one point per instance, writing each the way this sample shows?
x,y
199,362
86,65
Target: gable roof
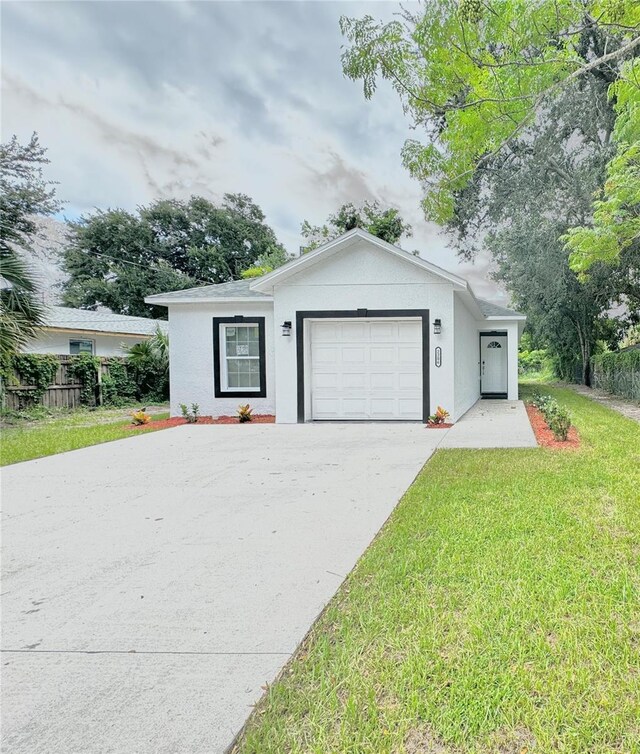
x,y
259,289
235,290
266,282
65,318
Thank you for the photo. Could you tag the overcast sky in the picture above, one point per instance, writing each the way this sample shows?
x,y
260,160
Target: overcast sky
x,y
140,100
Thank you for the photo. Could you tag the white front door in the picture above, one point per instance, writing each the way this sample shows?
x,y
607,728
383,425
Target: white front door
x,y
366,369
493,364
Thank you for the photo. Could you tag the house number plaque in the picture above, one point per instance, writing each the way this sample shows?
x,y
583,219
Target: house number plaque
x,y
438,356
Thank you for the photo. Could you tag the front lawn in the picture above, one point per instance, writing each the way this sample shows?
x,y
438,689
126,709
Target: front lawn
x,y
69,432
496,612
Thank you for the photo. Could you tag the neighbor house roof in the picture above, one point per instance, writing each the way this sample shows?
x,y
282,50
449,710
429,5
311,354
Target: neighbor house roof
x,y
65,318
259,289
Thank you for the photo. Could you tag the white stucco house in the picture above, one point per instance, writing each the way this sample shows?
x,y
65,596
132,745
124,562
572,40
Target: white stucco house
x,y
357,329
70,331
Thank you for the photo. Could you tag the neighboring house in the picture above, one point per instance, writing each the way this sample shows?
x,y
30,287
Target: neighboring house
x,y
73,331
357,329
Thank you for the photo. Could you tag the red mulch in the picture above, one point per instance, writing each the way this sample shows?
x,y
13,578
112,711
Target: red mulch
x,y
178,421
438,426
544,435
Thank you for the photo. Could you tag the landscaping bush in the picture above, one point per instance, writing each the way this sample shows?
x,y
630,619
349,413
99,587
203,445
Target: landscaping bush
x,y
119,387
618,372
557,417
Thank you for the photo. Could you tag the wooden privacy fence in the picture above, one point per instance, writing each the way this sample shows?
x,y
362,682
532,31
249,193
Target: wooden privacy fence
x,y
64,392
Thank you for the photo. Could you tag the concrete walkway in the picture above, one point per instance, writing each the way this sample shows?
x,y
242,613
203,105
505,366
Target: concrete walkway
x,y
153,585
492,424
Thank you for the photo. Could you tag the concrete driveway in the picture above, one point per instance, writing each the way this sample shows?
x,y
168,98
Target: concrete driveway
x,y
151,586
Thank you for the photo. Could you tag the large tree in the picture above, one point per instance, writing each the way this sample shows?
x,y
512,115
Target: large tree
x,y
384,223
522,201
24,194
473,74
115,258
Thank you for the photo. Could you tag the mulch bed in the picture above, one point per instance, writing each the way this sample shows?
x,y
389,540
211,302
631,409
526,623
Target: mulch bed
x,y
544,435
438,426
178,421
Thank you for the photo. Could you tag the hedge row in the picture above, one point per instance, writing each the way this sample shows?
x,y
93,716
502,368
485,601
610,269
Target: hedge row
x,y
618,373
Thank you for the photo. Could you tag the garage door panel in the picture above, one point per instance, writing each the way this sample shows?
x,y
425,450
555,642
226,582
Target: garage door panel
x,y
354,380
384,331
369,369
382,380
386,355
329,380
409,332
410,381
409,355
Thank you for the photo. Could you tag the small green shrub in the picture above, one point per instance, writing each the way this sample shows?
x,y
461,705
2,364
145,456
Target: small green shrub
x,y
191,415
559,421
557,417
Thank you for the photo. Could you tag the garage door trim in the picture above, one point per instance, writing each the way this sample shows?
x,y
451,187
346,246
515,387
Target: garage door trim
x,y
422,314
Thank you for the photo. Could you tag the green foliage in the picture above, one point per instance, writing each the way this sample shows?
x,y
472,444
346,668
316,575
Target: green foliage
x,y
256,272
385,224
85,368
116,258
616,218
557,417
24,193
631,337
618,372
245,413
119,387
148,366
34,369
190,414
534,362
473,75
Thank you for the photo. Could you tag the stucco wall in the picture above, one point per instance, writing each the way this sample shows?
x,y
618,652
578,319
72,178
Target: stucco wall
x,y
58,343
363,277
466,359
191,357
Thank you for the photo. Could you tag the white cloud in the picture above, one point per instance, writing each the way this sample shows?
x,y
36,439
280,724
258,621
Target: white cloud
x,y
141,100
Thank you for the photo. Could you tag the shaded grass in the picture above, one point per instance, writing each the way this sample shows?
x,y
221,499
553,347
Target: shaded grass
x,y
77,430
497,611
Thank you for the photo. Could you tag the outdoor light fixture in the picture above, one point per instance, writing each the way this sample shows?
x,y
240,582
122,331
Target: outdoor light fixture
x,y
437,326
286,328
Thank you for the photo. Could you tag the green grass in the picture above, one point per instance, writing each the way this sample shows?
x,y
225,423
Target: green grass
x,y
69,432
496,612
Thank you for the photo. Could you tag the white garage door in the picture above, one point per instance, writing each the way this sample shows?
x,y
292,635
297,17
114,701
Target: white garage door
x,y
366,369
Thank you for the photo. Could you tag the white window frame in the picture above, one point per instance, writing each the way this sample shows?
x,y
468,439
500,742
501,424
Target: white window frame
x,y
224,382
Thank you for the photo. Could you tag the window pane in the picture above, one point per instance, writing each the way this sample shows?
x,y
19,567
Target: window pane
x,y
80,346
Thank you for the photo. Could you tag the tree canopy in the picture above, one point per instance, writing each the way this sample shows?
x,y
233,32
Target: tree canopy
x,y
386,224
115,258
472,75
24,194
521,203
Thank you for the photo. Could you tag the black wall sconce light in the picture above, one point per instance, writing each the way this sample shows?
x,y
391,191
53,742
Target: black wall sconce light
x,y
286,328
437,326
